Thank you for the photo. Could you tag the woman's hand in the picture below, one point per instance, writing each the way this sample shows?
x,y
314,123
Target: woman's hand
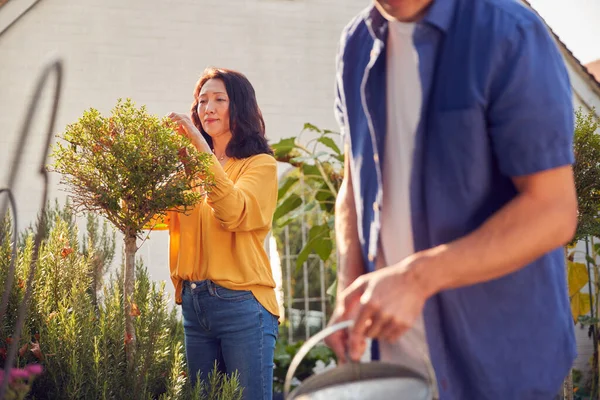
x,y
186,127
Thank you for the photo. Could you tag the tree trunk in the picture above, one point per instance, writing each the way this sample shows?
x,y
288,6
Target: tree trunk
x,y
128,286
567,392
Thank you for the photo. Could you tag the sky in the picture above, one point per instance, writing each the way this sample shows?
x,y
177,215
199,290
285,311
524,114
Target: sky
x,y
576,22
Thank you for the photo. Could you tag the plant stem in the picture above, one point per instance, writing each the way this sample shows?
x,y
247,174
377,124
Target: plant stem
x,y
596,369
321,170
128,286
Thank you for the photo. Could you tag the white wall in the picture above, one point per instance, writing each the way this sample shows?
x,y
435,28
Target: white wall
x,y
154,51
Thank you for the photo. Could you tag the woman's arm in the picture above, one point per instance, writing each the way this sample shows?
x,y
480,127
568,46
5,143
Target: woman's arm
x,y
250,202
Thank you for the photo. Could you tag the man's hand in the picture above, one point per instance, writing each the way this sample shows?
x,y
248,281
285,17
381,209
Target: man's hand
x,y
384,304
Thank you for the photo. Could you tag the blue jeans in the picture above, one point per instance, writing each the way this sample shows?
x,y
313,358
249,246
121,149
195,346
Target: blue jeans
x,y
233,328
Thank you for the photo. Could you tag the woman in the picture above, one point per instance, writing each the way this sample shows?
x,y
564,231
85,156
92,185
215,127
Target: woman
x,y
219,266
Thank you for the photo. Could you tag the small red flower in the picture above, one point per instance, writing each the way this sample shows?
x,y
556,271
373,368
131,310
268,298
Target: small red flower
x,y
23,349
184,157
21,283
37,351
8,340
66,251
135,310
51,316
128,338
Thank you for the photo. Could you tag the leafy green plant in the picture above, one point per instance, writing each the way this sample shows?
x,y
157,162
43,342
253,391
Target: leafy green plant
x,y
284,353
129,167
78,337
312,186
304,219
584,306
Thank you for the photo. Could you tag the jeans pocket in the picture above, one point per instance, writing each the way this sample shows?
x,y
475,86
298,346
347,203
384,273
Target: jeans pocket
x,y
232,295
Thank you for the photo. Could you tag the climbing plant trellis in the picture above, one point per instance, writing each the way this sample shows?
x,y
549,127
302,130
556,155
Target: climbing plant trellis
x,y
304,222
54,69
303,320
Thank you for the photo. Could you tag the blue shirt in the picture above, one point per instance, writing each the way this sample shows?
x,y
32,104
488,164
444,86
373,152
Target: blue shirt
x,y
496,105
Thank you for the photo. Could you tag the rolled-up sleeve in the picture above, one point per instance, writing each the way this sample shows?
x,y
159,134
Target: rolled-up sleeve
x,y
530,115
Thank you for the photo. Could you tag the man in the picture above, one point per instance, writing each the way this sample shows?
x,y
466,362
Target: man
x,y
458,124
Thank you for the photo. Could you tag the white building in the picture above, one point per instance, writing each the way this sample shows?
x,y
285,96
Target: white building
x,y
154,51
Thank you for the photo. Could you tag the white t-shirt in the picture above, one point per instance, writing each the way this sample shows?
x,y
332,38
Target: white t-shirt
x,y
404,100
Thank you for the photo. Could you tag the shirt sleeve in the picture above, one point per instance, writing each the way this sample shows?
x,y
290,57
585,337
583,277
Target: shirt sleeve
x,y
339,108
530,115
250,202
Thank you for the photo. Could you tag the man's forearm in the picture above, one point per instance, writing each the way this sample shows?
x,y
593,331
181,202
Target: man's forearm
x,y
350,263
519,233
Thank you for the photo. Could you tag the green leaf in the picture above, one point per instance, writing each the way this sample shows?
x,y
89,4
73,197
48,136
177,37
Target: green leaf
x,y
326,198
302,159
319,241
332,289
285,186
590,259
323,247
292,202
329,142
303,256
311,170
310,127
310,206
320,154
283,147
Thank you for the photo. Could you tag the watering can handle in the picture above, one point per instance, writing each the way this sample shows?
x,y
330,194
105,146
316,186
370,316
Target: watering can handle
x,y
314,340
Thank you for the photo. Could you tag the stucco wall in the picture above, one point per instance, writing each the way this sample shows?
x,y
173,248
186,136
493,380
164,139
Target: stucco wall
x,y
154,51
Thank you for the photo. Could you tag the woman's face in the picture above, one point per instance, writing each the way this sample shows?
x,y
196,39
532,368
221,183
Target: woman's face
x,y
213,108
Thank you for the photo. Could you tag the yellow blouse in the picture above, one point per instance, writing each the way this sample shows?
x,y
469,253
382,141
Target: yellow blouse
x,y
222,238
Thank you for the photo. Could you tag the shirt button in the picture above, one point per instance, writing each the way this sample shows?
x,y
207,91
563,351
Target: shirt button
x,y
193,286
371,257
376,206
376,158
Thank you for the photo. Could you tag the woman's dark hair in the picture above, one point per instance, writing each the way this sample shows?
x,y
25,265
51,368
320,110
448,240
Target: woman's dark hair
x,y
245,119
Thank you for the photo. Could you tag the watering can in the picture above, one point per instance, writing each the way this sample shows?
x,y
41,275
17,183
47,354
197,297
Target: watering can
x,y
372,380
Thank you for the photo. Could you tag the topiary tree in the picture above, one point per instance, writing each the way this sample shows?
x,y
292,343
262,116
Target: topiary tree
x,y
129,168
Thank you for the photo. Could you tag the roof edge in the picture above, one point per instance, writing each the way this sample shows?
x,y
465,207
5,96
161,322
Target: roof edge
x,y
593,82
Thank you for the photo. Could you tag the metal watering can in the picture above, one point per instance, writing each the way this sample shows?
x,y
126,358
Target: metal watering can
x,y
373,380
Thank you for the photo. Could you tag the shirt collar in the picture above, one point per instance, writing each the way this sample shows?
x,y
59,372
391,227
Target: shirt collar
x,y
440,15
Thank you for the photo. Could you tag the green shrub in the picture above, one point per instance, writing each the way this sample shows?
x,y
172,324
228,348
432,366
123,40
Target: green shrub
x,y
76,331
